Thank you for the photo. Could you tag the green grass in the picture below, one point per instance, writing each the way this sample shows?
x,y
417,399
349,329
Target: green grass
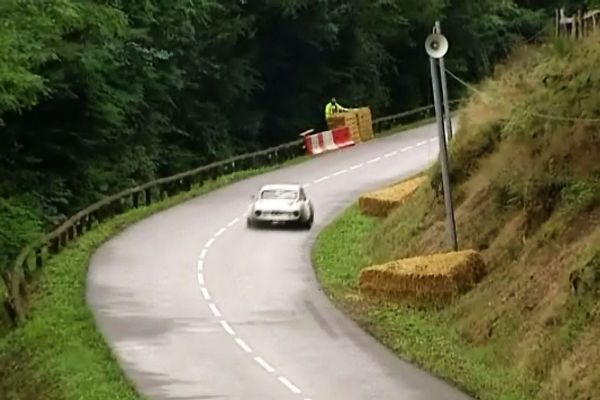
x,y
58,353
426,338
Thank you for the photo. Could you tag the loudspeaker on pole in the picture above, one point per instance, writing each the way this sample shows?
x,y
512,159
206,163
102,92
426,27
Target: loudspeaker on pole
x,y
436,45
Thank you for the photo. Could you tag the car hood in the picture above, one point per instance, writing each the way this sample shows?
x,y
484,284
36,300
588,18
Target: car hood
x,y
276,205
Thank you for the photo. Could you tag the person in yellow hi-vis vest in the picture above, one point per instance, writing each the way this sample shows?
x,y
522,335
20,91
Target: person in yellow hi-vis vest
x,y
333,107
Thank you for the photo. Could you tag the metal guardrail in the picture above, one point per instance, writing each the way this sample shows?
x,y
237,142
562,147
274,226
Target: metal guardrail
x,y
34,256
389,121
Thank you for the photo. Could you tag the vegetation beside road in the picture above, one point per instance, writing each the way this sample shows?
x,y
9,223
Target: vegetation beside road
x,y
58,354
97,96
527,190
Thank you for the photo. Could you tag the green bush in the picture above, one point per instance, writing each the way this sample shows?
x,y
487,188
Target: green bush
x,y
18,227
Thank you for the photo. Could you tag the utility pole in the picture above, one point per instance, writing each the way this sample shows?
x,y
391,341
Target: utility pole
x,y
436,46
448,120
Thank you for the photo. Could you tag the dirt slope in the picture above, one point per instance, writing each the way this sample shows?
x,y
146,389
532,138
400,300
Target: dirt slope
x,y
526,170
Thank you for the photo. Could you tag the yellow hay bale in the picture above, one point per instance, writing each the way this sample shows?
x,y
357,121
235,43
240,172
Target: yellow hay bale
x,y
381,202
358,120
436,279
365,123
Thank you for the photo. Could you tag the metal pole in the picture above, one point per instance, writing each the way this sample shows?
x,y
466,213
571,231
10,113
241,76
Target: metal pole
x,y
447,118
443,155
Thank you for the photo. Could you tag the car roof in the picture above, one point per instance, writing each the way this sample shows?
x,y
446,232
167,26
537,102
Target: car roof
x,y
281,186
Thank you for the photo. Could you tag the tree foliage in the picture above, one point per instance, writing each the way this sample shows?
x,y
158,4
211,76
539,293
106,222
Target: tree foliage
x,y
97,95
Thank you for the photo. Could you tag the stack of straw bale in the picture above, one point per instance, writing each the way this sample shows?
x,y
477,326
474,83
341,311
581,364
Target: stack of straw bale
x,y
381,202
357,120
434,279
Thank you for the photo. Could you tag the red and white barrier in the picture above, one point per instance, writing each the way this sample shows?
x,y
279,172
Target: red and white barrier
x,y
331,140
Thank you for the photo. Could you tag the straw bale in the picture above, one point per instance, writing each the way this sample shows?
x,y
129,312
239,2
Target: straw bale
x,y
381,202
357,120
434,279
365,123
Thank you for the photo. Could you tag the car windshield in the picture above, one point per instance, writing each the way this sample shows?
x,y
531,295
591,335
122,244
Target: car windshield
x,y
279,194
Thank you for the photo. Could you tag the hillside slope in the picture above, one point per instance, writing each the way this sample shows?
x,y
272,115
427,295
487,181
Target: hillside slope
x,y
526,179
528,194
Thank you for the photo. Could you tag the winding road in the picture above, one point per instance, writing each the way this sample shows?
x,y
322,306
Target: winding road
x,y
196,306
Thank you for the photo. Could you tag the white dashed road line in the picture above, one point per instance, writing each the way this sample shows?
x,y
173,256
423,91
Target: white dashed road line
x,y
213,307
232,223
264,364
227,328
214,310
243,345
289,384
205,293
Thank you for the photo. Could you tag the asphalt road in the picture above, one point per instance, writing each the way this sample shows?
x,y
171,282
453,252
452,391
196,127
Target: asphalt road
x,y
196,306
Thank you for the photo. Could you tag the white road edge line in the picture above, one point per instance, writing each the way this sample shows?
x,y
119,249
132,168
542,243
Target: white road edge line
x,y
205,293
209,243
392,154
357,166
201,278
203,253
264,364
243,345
200,265
374,160
227,328
220,232
323,179
214,310
407,148
289,384
421,143
340,172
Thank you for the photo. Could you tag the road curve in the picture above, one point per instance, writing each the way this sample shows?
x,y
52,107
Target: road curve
x,y
196,306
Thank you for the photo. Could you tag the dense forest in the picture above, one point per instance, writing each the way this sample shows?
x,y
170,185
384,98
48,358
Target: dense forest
x,y
96,95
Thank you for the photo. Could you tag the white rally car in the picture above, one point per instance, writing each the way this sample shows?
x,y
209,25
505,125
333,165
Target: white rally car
x,y
281,203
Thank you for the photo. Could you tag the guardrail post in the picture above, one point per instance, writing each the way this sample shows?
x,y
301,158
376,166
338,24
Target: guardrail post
x,y
71,233
148,195
79,227
135,199
39,257
89,222
18,294
63,239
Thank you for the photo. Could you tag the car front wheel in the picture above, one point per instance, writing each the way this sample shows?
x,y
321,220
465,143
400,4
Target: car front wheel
x,y
308,223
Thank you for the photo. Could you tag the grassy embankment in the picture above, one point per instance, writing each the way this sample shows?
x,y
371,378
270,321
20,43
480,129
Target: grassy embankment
x,y
527,190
